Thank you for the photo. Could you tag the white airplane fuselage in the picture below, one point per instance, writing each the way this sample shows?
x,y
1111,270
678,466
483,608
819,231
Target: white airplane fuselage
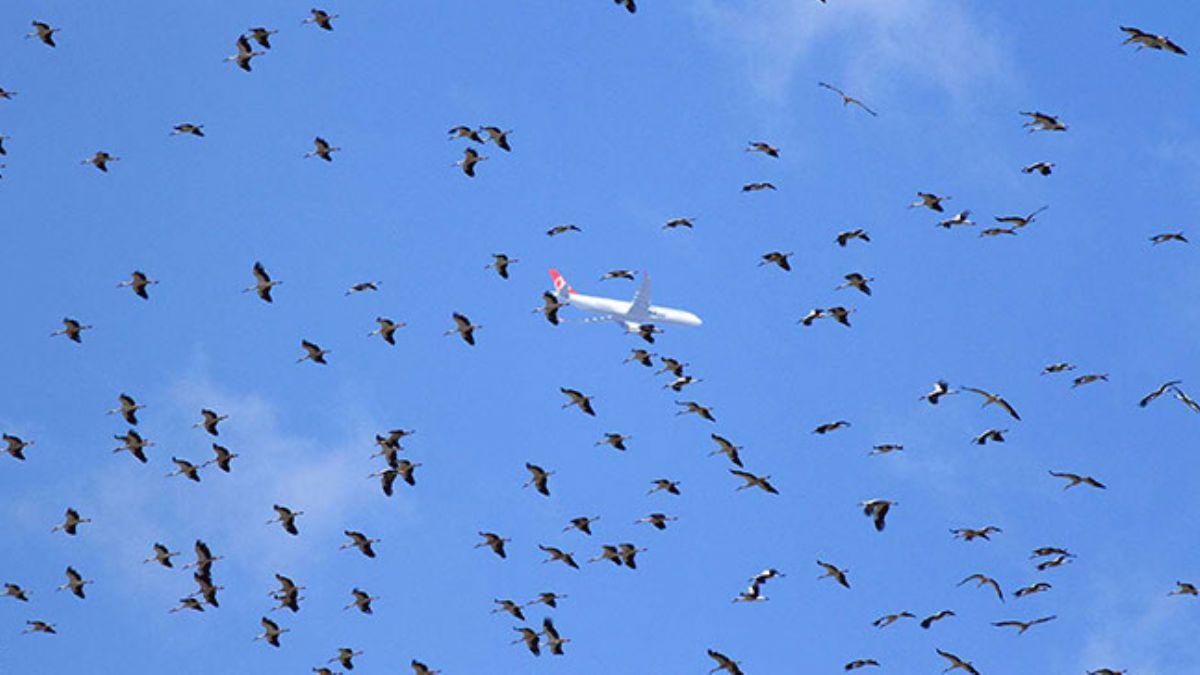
x,y
621,309
630,313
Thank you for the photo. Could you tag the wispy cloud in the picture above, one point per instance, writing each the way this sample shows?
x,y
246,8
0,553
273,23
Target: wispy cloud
x,y
922,43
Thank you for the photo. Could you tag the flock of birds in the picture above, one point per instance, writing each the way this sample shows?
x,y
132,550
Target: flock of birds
x,y
255,43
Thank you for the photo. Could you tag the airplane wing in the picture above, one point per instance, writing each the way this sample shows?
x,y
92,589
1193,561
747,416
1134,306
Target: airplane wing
x,y
639,309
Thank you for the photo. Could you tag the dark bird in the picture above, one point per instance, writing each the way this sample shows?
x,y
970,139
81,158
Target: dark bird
x,y
500,263
984,580
836,573
15,446
1044,168
1168,236
470,158
539,478
128,408
509,607
73,329
877,510
844,238
956,663
313,352
831,426
464,328
1137,36
498,136
757,187
557,554
322,149
617,441
578,399
1039,121
138,283
261,35
245,54
932,618
43,32
724,663
727,448
134,444
71,522
658,520
763,147
494,542
209,421
777,258
262,283
362,601
562,229
694,408
929,201
286,519
463,131
271,632
387,329
847,99
75,583
554,641
990,398
1023,626
1076,479
671,487
360,541
321,18
752,480
581,523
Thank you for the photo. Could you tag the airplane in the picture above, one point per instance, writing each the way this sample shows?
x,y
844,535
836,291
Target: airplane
x,y
633,315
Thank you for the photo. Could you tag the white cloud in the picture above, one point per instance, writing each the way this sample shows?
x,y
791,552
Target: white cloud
x,y
930,43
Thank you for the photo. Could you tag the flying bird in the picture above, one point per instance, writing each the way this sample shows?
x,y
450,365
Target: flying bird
x,y
1023,626
464,328
835,572
387,329
321,18
244,56
498,136
470,158
930,201
322,149
138,283
1168,236
846,98
1076,479
1039,121
286,519
73,329
763,147
844,238
1044,168
777,258
957,663
577,398
752,480
313,352
1145,40
43,32
262,283
539,478
500,263
694,408
360,541
990,398
877,510
984,580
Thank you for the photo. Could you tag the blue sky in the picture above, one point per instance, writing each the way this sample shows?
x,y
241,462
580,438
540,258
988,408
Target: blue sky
x,y
620,123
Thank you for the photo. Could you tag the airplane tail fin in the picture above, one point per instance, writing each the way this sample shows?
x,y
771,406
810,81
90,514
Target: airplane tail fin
x,y
561,287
